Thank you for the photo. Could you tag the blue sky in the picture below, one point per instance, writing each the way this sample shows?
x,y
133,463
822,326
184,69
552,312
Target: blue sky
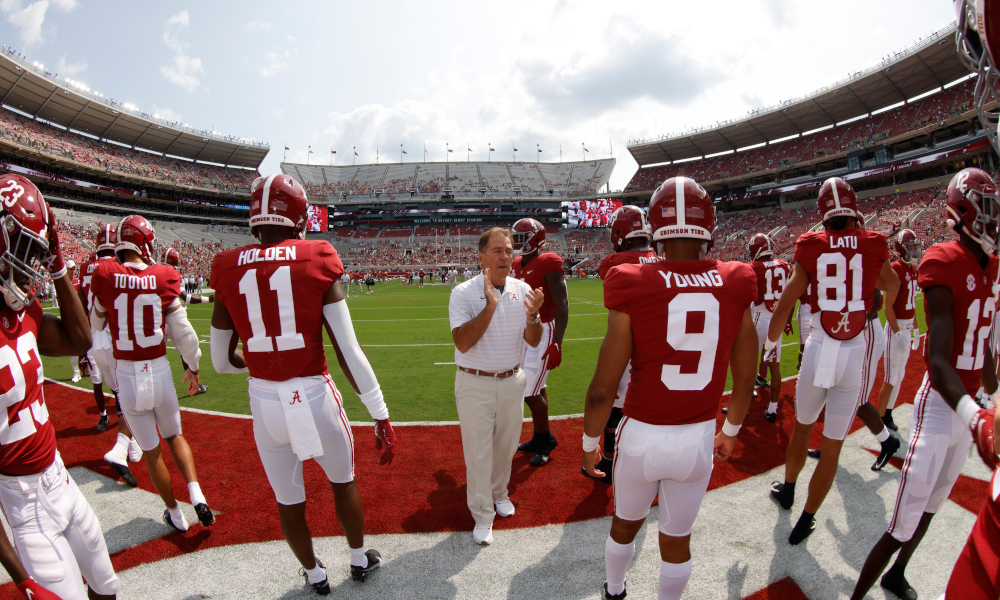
x,y
373,75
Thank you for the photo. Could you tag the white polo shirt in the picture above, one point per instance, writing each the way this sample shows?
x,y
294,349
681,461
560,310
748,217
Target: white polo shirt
x,y
501,346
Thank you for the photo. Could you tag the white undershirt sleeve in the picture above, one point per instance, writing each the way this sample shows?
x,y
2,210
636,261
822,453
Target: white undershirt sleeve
x,y
338,317
184,337
219,344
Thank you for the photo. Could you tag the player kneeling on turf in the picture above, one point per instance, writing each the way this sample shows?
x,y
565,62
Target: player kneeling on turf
x,y
277,296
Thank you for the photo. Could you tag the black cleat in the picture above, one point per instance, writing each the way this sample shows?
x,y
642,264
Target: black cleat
x,y
532,444
762,383
541,457
374,562
802,529
814,453
897,584
785,498
169,521
204,514
889,448
771,417
888,422
323,587
102,423
124,473
725,410
608,596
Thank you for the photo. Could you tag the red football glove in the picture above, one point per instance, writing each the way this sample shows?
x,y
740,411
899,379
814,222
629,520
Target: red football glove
x,y
385,436
982,434
32,591
788,328
53,260
553,355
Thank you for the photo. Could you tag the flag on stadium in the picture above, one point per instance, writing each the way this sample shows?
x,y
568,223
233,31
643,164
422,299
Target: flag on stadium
x,y
470,149
356,153
585,150
333,151
287,148
404,151
515,149
539,149
450,150
492,150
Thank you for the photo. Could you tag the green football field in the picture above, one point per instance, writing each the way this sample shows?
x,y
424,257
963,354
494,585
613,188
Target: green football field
x,y
405,332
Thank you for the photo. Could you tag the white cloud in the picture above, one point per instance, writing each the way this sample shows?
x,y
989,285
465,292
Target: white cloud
x,y
68,69
64,5
274,63
167,114
27,20
184,69
258,26
183,72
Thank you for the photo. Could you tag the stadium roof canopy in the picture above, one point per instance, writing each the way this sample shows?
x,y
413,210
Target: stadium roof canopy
x,y
926,66
31,89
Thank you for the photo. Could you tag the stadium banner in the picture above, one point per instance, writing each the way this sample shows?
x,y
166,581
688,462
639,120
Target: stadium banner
x,y
318,218
592,213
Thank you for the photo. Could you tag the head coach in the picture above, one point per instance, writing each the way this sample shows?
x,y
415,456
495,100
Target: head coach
x,y
492,315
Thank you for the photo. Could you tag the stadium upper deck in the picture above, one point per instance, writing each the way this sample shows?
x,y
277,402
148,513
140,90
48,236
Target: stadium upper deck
x,y
455,179
898,109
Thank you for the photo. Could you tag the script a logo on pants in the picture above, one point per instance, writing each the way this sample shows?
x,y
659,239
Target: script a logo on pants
x,y
843,325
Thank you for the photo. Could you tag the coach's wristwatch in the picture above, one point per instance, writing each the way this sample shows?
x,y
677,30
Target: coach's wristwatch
x,y
535,321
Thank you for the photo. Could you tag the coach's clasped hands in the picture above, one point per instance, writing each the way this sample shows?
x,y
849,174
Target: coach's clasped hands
x,y
385,441
533,303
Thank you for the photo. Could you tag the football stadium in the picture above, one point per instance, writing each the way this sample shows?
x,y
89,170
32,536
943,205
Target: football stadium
x,y
899,141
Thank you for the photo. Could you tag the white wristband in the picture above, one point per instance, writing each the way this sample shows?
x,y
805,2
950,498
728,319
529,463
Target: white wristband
x,y
730,429
590,443
769,345
967,409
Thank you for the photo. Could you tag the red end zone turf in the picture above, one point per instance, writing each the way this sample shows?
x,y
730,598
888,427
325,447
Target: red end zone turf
x,y
422,491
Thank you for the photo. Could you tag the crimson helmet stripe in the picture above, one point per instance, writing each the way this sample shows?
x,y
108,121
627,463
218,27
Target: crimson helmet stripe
x,y
681,208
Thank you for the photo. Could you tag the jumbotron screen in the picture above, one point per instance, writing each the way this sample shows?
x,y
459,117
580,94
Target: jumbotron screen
x,y
592,213
318,219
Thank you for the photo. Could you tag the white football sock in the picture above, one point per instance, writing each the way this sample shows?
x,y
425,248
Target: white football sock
x,y
122,442
882,435
178,518
616,559
673,580
316,574
194,492
358,558
104,413
772,407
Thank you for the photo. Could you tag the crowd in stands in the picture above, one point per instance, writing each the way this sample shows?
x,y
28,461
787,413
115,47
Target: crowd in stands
x,y
932,109
119,159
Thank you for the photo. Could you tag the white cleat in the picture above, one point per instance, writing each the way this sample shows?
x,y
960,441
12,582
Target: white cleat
x,y
76,377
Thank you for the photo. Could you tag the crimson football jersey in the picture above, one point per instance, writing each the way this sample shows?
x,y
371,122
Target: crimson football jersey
x,y
844,266
27,437
952,265
534,274
136,300
685,318
771,277
274,294
905,305
635,257
87,275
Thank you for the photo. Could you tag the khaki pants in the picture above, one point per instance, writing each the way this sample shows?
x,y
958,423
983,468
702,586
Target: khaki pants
x,y
490,411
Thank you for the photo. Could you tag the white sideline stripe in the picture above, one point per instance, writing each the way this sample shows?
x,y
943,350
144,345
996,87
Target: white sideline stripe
x,y
447,363
366,423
